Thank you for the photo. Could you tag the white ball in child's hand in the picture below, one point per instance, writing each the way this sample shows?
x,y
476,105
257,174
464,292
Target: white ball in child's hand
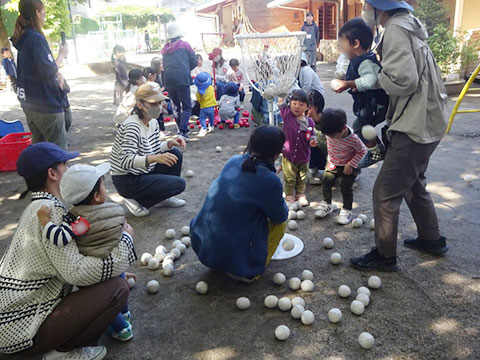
x,y
294,283
218,149
356,223
288,244
366,340
307,285
282,332
335,258
189,173
297,311
292,225
182,248
185,231
468,178
363,290
374,282
297,300
327,243
372,224
292,215
335,84
168,269
363,217
153,263
153,286
307,317
279,278
301,215
243,303
271,301
186,241
335,315
363,298
357,307
175,243
344,291
145,258
131,282
170,233
201,287
307,275
369,132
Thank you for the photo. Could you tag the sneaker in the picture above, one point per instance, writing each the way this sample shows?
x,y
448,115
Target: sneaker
x,y
84,353
236,126
436,247
127,316
373,156
202,132
135,208
243,279
345,217
313,177
210,129
374,261
125,334
325,209
302,199
171,202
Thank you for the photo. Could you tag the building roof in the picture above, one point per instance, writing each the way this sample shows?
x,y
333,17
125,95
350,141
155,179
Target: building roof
x,y
209,6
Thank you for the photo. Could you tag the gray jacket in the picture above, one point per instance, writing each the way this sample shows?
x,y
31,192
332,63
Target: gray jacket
x,y
229,106
413,81
309,80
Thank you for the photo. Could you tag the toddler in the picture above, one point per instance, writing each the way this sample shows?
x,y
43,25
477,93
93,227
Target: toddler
x,y
206,99
236,75
229,104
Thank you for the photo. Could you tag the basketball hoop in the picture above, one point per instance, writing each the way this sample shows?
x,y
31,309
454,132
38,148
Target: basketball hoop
x,y
272,62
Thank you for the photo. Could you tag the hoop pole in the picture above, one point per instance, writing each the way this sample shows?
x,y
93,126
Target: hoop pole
x,y
270,113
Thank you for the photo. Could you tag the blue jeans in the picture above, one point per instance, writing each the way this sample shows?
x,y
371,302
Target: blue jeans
x,y
183,106
119,323
208,112
150,189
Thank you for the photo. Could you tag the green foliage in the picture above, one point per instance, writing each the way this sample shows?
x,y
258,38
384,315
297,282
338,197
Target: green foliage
x,y
138,16
86,25
431,13
155,43
9,18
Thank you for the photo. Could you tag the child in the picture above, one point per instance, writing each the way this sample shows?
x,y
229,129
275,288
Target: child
x,y
369,101
157,65
243,218
345,150
300,132
206,99
150,74
229,104
121,77
10,68
236,75
124,110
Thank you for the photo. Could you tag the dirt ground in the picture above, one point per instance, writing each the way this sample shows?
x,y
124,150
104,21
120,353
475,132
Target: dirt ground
x,y
429,309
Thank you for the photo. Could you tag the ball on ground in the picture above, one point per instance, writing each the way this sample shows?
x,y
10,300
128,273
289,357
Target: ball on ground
x,y
186,241
185,231
307,275
357,307
297,311
468,178
279,278
153,286
131,282
201,287
363,217
292,225
294,283
335,258
182,248
301,215
282,332
374,282
356,223
168,270
176,252
284,304
364,299
327,243
307,317
335,315
189,173
160,248
372,224
344,291
271,301
243,303
218,149
369,132
153,263
175,243
292,215
363,290
307,285
292,207
145,258
288,244
170,233
297,300
366,340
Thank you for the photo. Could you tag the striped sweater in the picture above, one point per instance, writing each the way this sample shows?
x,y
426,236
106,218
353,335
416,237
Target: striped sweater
x,y
133,142
35,274
348,150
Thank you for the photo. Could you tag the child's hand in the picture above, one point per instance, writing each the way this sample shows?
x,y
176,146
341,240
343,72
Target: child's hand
x,y
44,215
314,143
279,169
348,169
128,229
130,276
339,85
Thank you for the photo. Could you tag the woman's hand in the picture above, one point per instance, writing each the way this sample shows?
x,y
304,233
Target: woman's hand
x,y
61,80
168,159
62,54
44,215
178,142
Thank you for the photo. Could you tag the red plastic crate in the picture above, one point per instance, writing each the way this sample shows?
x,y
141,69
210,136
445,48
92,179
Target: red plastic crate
x,y
11,146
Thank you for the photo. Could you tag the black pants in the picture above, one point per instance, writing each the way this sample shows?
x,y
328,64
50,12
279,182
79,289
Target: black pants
x,y
346,185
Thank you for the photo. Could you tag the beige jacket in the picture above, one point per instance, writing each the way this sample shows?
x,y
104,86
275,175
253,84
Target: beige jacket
x,y
412,79
106,223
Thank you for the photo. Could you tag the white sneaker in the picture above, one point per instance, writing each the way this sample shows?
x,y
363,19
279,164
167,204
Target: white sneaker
x,y
202,132
345,217
85,353
135,208
171,202
325,209
210,129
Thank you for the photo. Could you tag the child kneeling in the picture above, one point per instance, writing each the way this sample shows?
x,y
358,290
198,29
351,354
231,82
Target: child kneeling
x,y
229,104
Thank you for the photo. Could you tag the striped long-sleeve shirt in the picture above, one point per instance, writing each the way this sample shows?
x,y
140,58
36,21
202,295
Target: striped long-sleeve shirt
x,y
133,142
348,150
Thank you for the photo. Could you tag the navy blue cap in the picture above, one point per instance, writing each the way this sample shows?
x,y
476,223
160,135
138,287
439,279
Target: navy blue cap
x,y
231,89
41,156
202,82
386,5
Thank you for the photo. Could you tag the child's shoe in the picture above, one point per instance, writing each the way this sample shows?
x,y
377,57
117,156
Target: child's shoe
x,y
302,199
202,132
290,199
125,334
210,129
127,316
325,209
345,217
374,155
236,126
313,177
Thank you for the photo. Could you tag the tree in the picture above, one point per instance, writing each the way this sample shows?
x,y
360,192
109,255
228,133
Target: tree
x,y
164,19
3,32
431,13
137,16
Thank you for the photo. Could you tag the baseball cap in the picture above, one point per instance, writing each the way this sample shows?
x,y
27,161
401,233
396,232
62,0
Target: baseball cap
x,y
386,5
40,156
79,180
202,82
150,92
215,52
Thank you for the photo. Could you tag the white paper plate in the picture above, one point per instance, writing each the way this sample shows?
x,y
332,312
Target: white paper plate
x,y
282,254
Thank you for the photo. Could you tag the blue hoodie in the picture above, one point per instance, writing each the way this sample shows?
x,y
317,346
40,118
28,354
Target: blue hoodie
x,y
230,232
37,84
178,61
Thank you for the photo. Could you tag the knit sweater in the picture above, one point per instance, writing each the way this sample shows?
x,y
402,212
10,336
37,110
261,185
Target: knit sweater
x,y
348,150
298,135
35,274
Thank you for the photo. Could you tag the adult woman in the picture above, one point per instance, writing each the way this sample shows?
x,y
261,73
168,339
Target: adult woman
x,y
243,218
120,69
146,171
411,78
311,41
221,71
39,84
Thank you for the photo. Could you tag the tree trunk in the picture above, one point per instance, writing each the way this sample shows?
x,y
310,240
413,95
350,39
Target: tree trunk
x,y
4,43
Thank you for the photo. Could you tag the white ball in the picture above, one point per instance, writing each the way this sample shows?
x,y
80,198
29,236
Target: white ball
x,y
153,263
363,290
145,258
293,207
288,244
243,303
189,173
357,307
282,332
153,286
279,278
292,225
335,315
169,258
366,340
363,217
307,275
335,258
170,233
344,291
468,178
271,301
284,304
327,243
160,248
182,248
201,287
334,84
175,243
374,282
218,149
363,298
168,269
186,241
369,132
356,223
131,282
185,231
372,224
301,215
307,285
307,317
297,300
176,252
294,283
297,311
167,261
292,215
160,256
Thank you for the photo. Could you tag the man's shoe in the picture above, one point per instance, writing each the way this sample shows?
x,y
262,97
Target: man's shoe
x,y
435,247
84,353
374,261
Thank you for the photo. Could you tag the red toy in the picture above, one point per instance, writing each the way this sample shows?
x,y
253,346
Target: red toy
x,y
247,125
220,126
165,93
230,126
245,113
192,126
167,119
198,122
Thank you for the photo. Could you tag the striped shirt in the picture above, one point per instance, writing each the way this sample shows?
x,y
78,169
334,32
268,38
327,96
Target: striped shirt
x,y
59,235
348,150
133,142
